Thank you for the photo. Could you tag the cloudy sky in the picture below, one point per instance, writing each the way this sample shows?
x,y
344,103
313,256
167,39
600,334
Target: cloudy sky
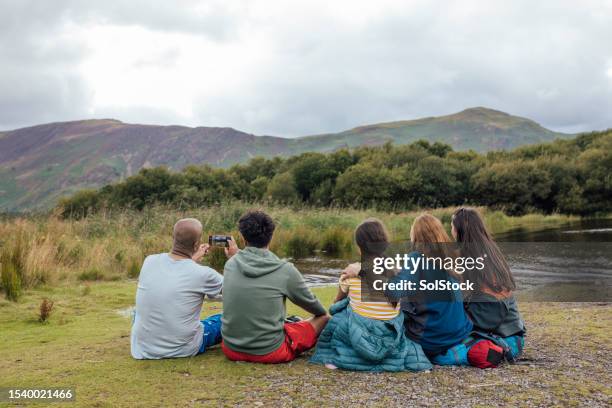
x,y
291,68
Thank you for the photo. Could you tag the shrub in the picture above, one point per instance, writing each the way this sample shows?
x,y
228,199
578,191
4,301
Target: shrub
x,y
565,175
46,307
282,189
80,204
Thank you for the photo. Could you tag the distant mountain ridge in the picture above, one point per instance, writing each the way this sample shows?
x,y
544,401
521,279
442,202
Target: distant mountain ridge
x,y
40,163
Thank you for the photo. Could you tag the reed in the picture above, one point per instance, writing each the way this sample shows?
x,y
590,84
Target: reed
x,y
337,241
11,282
301,242
111,245
216,258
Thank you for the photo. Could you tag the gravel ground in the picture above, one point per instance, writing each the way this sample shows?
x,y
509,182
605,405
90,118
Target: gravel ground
x,y
566,363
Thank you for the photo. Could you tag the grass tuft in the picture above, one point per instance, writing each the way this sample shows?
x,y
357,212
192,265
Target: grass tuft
x,y
45,309
301,243
337,241
11,282
133,270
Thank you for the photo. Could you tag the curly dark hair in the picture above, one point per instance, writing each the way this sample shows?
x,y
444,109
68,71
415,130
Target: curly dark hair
x,y
256,228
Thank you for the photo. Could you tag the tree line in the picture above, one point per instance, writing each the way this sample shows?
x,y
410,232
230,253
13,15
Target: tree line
x,y
565,176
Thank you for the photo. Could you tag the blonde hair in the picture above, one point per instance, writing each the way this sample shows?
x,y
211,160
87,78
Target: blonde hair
x,y
428,229
429,237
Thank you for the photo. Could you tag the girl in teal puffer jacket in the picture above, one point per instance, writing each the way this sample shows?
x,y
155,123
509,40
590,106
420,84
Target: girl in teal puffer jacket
x,y
367,335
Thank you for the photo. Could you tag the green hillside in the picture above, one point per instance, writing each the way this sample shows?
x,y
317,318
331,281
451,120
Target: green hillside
x,y
479,129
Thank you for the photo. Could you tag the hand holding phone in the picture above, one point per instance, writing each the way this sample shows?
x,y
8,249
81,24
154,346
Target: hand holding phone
x,y
231,248
201,252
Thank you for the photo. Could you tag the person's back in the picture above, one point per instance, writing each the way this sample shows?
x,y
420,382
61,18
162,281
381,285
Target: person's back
x,y
436,319
495,313
171,289
491,306
257,284
435,323
168,305
366,331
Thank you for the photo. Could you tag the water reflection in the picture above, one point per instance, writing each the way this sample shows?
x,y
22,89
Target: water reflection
x,y
598,230
320,271
571,262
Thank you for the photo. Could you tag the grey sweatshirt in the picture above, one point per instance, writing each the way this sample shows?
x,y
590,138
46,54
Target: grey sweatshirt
x,y
255,288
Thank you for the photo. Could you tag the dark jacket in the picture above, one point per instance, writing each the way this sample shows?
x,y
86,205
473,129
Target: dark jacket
x,y
497,316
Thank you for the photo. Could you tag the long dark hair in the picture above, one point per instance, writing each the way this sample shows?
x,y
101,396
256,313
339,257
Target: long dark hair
x,y
373,240
475,241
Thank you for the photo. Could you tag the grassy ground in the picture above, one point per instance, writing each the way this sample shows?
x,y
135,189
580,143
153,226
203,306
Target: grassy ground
x,y
86,345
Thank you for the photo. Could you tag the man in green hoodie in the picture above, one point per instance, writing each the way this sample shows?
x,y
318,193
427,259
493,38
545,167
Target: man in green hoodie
x,y
255,288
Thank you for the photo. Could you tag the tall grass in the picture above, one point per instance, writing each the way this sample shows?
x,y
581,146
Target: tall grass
x,y
300,243
216,258
337,241
112,245
11,282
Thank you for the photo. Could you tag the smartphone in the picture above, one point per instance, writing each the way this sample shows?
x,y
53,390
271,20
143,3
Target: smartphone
x,y
218,240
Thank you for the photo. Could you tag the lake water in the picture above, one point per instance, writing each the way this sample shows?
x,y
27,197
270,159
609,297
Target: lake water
x,y
570,262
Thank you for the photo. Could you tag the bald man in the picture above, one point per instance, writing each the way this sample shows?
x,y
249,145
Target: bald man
x,y
171,289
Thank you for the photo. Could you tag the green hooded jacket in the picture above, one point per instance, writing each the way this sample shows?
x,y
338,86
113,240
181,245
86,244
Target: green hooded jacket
x,y
256,284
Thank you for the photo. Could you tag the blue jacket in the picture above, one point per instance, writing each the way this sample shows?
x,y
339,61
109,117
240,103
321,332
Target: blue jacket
x,y
437,322
354,342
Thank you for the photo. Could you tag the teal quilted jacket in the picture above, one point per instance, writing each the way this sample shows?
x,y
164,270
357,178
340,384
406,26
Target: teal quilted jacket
x,y
354,342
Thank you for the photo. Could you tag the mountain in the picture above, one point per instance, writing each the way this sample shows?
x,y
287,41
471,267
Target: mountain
x,y
480,129
40,163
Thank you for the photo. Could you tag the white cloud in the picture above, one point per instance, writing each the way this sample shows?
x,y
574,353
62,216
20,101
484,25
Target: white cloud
x,y
304,67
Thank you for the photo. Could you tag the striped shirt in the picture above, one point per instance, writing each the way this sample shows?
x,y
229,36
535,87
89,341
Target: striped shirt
x,y
372,310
